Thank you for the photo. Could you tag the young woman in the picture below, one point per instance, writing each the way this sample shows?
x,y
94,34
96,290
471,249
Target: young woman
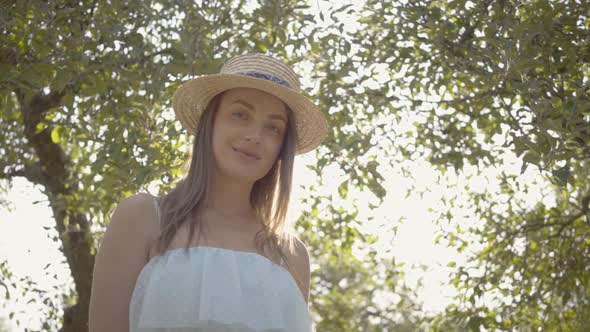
x,y
213,254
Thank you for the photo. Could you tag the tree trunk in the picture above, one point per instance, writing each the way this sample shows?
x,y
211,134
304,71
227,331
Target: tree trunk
x,y
58,182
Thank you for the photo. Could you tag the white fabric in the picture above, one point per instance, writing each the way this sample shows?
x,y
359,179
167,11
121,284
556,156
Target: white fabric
x,y
209,289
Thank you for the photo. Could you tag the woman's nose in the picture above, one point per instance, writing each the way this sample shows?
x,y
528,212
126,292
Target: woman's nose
x,y
254,133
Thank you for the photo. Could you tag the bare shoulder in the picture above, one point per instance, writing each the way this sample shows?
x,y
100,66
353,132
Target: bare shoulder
x,y
140,203
140,198
121,255
142,206
137,210
299,264
299,249
134,217
135,201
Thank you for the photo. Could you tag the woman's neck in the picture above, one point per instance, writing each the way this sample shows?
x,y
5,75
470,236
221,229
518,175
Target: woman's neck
x,y
229,197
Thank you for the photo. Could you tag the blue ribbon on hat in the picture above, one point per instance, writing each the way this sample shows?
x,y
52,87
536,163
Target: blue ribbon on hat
x,y
268,77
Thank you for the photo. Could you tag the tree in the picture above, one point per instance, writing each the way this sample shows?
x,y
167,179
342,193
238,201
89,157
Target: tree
x,y
487,79
85,99
84,113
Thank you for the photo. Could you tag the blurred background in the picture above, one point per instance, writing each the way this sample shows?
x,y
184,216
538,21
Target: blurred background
x,y
452,193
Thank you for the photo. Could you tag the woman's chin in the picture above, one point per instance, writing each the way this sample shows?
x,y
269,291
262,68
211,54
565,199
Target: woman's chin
x,y
245,175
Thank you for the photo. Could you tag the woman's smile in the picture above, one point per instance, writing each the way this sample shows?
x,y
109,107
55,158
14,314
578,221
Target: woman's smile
x,y
248,155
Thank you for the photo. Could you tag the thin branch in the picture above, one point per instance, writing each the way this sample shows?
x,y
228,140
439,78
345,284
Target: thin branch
x,y
30,172
10,175
5,287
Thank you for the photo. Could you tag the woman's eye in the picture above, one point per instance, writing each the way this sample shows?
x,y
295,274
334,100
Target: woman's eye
x,y
275,130
239,115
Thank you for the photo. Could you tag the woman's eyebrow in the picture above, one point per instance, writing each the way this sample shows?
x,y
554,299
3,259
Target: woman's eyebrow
x,y
278,117
252,108
245,103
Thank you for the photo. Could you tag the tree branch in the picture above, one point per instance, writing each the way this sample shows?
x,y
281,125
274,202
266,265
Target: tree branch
x,y
31,172
5,287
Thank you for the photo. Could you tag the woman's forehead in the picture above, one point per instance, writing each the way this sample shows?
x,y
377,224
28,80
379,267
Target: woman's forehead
x,y
255,99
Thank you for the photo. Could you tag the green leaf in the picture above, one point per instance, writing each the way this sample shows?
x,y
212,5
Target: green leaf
x,y
56,134
343,189
40,127
475,323
531,157
61,79
262,47
562,175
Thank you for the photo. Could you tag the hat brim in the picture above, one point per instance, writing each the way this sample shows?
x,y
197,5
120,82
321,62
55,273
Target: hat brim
x,y
192,97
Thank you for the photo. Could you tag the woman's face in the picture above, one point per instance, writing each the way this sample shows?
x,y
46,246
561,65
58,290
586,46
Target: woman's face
x,y
248,133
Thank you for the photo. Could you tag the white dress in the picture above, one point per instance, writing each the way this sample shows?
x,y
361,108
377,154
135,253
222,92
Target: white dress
x,y
212,289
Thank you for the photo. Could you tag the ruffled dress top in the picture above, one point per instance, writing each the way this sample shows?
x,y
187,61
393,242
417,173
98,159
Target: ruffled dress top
x,y
216,290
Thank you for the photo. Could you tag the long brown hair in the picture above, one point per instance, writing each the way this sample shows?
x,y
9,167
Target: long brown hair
x,y
269,196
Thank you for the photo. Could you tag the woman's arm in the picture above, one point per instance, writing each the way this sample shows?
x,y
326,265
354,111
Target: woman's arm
x,y
122,254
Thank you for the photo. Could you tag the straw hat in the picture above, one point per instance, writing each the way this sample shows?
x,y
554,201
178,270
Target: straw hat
x,y
260,72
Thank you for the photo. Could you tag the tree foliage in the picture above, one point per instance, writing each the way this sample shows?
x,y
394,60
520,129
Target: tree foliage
x,y
489,79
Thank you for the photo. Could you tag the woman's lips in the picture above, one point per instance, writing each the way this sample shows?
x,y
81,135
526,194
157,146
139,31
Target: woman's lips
x,y
246,155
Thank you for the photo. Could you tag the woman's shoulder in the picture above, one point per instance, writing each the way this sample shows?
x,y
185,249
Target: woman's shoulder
x,y
291,243
137,211
297,256
143,197
136,203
